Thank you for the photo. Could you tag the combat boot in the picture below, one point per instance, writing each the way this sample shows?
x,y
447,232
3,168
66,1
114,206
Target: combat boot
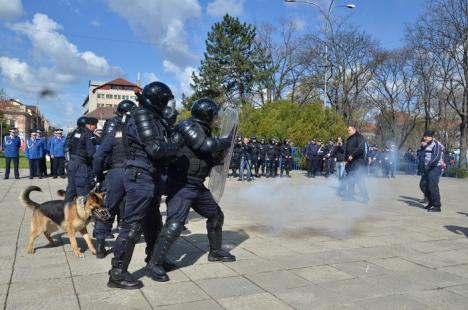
x,y
155,268
217,254
119,277
101,248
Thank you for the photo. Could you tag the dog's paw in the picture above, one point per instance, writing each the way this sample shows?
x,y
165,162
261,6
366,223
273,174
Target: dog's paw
x,y
93,251
30,251
79,254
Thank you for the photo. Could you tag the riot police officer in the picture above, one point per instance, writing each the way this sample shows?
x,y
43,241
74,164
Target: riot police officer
x,y
259,155
80,124
113,154
270,159
285,158
82,149
236,157
147,149
254,144
185,187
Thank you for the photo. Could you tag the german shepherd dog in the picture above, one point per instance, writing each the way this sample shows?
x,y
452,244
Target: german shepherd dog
x,y
50,216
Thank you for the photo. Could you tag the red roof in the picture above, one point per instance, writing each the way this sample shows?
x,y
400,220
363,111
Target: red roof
x,y
119,82
103,113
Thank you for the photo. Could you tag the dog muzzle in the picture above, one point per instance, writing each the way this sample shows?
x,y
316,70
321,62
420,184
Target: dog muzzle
x,y
102,214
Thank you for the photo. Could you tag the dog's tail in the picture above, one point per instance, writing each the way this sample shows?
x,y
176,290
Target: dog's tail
x,y
61,193
24,197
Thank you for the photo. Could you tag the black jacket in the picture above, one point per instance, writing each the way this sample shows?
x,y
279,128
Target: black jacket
x,y
356,146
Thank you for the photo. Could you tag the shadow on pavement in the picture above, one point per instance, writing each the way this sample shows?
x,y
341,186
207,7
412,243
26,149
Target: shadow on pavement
x,y
412,202
463,213
457,229
187,257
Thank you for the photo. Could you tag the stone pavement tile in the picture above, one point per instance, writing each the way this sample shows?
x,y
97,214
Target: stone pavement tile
x,y
88,284
337,245
436,278
161,294
51,302
201,305
458,256
3,292
275,281
208,271
441,299
460,270
40,259
429,260
6,265
397,283
262,301
360,254
42,289
46,271
321,274
228,287
362,269
188,259
7,248
267,249
392,302
310,259
311,297
249,266
438,245
459,289
88,264
397,264
355,289
115,299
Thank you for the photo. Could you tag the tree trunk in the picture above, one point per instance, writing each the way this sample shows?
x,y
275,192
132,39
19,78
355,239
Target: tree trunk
x,y
463,129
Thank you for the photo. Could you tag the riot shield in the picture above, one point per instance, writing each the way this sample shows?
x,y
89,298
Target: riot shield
x,y
228,121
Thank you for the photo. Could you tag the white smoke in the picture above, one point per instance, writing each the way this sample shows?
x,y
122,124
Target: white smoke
x,y
298,205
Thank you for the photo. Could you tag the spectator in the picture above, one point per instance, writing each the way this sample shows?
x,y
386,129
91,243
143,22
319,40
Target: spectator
x,y
34,153
11,146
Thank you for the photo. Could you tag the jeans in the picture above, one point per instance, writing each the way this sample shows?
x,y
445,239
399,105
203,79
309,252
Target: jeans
x,y
245,164
340,169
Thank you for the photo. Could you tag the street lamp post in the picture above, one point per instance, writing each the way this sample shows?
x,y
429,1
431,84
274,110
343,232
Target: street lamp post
x,y
326,15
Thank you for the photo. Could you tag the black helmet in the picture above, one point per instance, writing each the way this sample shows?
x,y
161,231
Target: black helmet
x,y
155,96
170,115
125,106
204,110
81,121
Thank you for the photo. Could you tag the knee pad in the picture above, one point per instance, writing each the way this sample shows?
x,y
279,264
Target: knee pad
x,y
134,234
173,229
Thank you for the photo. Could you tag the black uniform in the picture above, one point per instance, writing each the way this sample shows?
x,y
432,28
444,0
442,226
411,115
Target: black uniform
x,y
259,156
146,149
356,147
271,156
185,188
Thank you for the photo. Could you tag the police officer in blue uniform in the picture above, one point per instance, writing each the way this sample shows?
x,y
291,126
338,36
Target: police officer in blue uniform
x,y
111,156
147,150
82,149
185,188
11,146
42,161
56,149
34,153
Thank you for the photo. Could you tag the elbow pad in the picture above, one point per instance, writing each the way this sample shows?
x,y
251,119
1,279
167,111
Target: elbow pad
x,y
213,145
163,150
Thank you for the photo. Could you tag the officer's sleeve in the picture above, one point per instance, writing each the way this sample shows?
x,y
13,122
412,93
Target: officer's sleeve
x,y
26,150
196,139
152,137
101,154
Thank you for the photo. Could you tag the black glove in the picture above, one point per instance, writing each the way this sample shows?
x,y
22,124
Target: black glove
x,y
99,177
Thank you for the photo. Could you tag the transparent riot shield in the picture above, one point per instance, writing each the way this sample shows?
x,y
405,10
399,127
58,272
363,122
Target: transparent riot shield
x,y
228,121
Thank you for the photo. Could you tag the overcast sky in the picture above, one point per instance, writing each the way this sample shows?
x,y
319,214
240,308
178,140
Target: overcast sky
x,y
61,44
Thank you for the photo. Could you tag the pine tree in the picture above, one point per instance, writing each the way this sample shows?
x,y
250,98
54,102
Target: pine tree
x,y
231,64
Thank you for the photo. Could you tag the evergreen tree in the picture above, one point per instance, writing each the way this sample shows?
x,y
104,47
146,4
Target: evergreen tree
x,y
231,64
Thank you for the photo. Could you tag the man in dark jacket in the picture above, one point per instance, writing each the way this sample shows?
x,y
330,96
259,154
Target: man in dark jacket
x,y
355,156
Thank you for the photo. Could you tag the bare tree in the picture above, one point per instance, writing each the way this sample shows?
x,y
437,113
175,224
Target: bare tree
x,y
443,33
393,90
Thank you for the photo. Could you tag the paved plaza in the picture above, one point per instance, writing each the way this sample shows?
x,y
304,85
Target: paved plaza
x,y
298,246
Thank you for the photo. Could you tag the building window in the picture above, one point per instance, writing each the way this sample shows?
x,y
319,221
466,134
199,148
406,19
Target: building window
x,y
100,96
108,96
